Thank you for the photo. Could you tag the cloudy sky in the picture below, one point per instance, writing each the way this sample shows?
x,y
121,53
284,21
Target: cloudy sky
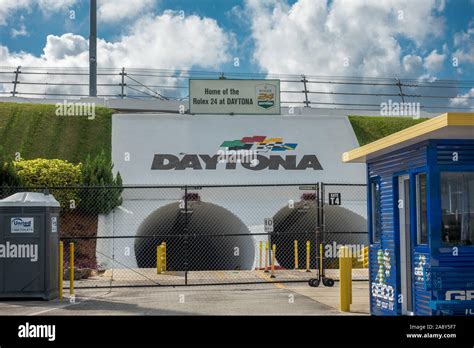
x,y
426,39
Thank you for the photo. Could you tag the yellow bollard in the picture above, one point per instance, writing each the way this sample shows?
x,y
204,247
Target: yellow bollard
x,y
321,258
260,256
296,254
366,257
308,248
71,269
61,269
266,257
274,248
164,256
345,271
349,274
159,260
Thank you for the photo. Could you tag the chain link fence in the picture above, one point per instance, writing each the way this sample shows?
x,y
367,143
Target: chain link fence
x,y
345,223
172,236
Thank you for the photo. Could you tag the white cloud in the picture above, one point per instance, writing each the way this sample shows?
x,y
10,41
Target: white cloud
x,y
61,47
112,11
9,7
464,42
343,38
19,32
317,37
434,61
413,65
165,42
463,101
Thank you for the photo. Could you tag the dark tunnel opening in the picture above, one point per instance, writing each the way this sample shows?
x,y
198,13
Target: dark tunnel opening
x,y
213,243
299,223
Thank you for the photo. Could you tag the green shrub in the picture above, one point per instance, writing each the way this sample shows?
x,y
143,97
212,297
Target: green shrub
x,y
97,172
9,178
50,173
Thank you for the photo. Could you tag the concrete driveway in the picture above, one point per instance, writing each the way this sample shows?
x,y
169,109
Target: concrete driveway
x,y
262,299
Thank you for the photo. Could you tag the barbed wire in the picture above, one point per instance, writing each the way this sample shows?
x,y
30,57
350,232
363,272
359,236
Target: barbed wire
x,y
139,83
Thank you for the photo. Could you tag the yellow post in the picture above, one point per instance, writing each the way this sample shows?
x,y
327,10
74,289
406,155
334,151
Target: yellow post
x,y
159,260
296,254
164,256
308,247
366,257
345,271
349,273
274,248
61,269
71,269
266,257
321,258
260,256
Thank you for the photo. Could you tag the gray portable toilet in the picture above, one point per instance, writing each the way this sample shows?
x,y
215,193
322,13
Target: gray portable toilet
x,y
29,229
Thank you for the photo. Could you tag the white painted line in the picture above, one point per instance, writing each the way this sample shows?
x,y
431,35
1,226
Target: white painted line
x,y
84,299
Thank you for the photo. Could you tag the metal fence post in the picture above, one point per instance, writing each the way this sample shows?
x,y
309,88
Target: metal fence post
x,y
186,236
17,71
399,84
123,84
322,225
305,91
317,202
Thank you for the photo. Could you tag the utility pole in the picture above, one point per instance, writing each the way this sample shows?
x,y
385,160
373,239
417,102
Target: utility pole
x,y
93,49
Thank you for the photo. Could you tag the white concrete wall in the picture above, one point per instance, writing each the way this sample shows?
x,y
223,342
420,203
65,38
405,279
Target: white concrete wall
x,y
140,136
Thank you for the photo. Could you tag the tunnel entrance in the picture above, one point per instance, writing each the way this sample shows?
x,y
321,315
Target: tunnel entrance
x,y
299,223
214,242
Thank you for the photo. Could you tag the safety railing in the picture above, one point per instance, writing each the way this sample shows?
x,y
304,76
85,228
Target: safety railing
x,y
324,92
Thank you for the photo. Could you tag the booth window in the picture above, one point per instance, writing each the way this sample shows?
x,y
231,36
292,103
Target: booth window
x,y
375,216
457,208
421,210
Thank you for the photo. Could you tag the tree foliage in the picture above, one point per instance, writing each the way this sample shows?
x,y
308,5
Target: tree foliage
x,y
101,192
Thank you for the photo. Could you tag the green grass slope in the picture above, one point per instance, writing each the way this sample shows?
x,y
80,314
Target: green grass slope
x,y
35,131
371,128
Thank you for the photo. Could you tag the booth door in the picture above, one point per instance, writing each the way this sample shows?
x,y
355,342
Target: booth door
x,y
406,244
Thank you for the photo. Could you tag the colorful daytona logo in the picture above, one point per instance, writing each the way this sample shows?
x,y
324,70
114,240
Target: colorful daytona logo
x,y
259,143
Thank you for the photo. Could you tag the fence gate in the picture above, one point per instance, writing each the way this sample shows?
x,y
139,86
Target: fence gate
x,y
137,236
209,235
344,222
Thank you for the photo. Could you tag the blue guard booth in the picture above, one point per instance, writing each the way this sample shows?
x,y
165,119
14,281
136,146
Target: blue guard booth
x,y
421,217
